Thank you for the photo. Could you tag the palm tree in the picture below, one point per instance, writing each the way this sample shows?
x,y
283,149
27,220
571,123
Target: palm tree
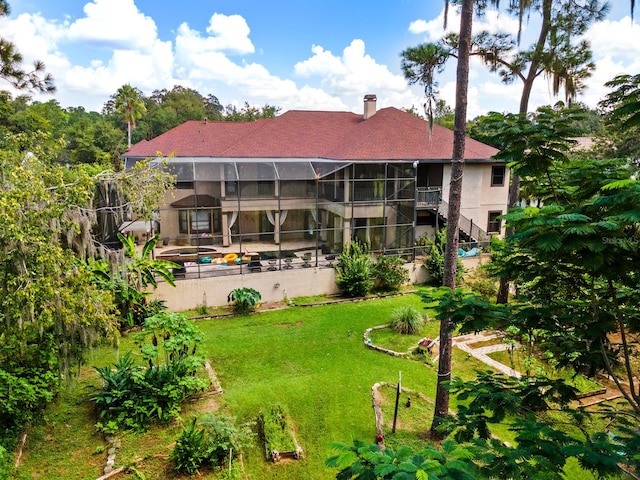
x,y
128,101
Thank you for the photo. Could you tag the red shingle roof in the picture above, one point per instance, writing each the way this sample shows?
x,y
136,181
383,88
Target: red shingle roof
x,y
390,134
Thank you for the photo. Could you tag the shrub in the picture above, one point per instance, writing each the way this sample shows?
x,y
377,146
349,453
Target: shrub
x,y
166,336
132,397
24,394
244,300
354,275
423,244
190,451
407,320
480,283
485,287
225,437
435,261
6,466
211,445
390,273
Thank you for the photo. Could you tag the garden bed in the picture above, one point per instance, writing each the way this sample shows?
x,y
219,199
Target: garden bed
x,y
277,434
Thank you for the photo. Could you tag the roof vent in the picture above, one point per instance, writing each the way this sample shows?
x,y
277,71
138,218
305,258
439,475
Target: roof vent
x,y
369,106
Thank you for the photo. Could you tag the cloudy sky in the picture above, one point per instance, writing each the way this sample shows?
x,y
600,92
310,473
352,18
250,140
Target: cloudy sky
x,y
289,53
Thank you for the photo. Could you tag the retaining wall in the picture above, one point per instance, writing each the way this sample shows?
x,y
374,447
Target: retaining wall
x,y
273,286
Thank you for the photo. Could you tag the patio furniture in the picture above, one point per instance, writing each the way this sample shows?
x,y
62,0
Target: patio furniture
x,y
330,259
254,264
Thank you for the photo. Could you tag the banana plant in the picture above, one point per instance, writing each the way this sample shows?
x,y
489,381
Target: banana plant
x,y
142,269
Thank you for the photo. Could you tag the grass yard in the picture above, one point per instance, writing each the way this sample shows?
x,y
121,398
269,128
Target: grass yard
x,y
309,359
518,360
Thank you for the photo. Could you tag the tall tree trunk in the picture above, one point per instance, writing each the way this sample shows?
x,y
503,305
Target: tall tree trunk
x,y
455,194
536,60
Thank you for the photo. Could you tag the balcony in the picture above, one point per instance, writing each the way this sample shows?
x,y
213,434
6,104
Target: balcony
x,y
428,197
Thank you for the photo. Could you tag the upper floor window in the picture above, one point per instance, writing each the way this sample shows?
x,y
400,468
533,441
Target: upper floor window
x,y
497,175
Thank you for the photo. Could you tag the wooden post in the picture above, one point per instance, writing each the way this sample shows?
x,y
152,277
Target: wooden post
x,y
395,413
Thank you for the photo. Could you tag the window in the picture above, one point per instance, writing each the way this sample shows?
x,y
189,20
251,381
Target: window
x,y
184,185
497,175
494,224
195,221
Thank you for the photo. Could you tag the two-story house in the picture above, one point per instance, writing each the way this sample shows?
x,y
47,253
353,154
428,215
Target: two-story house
x,y
321,179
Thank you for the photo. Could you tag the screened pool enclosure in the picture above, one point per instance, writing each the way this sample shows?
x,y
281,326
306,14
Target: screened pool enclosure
x,y
290,204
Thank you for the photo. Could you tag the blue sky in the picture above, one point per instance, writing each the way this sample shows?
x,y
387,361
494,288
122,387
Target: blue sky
x,y
293,54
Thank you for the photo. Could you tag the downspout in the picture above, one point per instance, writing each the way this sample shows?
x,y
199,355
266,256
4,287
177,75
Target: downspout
x,y
276,227
317,219
384,208
353,199
239,220
195,204
415,211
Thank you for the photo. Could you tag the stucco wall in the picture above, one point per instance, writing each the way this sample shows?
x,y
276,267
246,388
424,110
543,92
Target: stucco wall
x,y
295,283
478,196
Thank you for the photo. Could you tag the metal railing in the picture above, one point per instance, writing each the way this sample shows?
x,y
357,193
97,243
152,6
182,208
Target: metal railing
x,y
428,197
465,224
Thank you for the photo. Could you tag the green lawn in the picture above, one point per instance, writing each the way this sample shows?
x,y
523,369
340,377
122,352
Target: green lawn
x,y
310,359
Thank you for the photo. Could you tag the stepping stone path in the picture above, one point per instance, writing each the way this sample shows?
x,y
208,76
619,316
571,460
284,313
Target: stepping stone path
x,y
465,343
113,444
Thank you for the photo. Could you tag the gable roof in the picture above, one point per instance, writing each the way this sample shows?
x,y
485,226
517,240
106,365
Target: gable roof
x,y
390,134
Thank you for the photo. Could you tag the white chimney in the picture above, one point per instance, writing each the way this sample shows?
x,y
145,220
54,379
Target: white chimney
x,y
369,106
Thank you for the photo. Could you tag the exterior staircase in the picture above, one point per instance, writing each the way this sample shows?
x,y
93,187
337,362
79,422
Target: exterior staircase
x,y
430,198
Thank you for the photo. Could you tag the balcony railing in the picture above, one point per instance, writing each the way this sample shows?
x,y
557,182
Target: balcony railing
x,y
466,225
428,197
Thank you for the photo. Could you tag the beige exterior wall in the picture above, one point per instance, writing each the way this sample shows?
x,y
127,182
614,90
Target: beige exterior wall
x,y
478,196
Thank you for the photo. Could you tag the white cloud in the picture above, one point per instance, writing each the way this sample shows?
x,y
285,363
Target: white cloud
x,y
135,55
220,60
492,21
114,24
353,73
616,50
432,29
230,33
322,62
200,59
153,70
